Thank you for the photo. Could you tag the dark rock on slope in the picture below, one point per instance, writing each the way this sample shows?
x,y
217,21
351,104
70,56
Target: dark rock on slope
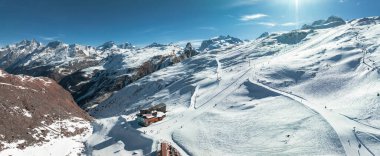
x,y
31,107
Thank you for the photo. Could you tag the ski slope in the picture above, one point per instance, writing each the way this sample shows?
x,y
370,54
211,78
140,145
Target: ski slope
x,y
269,98
346,128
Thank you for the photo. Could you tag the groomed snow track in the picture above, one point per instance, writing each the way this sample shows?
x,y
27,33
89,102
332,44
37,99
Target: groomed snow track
x,y
345,128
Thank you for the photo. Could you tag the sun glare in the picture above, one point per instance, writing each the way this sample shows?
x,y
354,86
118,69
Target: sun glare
x,y
296,6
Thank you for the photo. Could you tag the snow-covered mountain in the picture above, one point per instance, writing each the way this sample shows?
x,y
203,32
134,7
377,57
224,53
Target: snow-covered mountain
x,y
332,21
313,91
219,42
37,115
91,74
17,52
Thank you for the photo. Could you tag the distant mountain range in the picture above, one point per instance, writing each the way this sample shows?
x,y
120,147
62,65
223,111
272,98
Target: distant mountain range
x,y
310,91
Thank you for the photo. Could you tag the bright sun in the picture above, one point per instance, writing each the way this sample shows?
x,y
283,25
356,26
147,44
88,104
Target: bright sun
x,y
296,6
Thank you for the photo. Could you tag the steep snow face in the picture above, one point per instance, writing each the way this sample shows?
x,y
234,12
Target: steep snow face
x,y
271,96
219,42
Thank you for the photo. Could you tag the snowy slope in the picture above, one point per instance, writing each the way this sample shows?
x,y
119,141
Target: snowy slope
x,y
90,74
293,93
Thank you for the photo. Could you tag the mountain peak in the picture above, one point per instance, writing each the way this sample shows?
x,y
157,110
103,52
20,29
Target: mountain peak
x,y
219,41
27,43
265,34
126,45
54,44
154,44
107,45
332,21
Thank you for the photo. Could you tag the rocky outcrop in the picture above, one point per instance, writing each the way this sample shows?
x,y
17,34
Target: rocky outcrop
x,y
292,37
190,51
366,21
36,109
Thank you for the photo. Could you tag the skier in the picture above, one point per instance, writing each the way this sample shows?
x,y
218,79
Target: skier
x,y
349,142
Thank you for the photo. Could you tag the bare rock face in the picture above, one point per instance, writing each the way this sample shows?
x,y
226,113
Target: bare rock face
x,y
36,109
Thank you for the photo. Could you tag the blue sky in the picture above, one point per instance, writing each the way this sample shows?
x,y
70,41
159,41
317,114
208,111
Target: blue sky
x,y
93,22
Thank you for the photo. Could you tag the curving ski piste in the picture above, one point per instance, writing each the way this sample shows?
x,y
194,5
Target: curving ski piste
x,y
346,128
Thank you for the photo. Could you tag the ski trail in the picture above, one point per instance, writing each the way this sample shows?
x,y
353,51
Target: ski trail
x,y
220,93
343,126
363,144
167,128
218,69
194,98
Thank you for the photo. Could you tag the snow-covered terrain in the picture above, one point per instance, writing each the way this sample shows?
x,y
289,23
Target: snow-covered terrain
x,y
38,117
313,91
57,144
90,74
305,92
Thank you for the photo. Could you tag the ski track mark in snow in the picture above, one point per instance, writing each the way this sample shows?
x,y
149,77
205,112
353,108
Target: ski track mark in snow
x,y
194,98
341,124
